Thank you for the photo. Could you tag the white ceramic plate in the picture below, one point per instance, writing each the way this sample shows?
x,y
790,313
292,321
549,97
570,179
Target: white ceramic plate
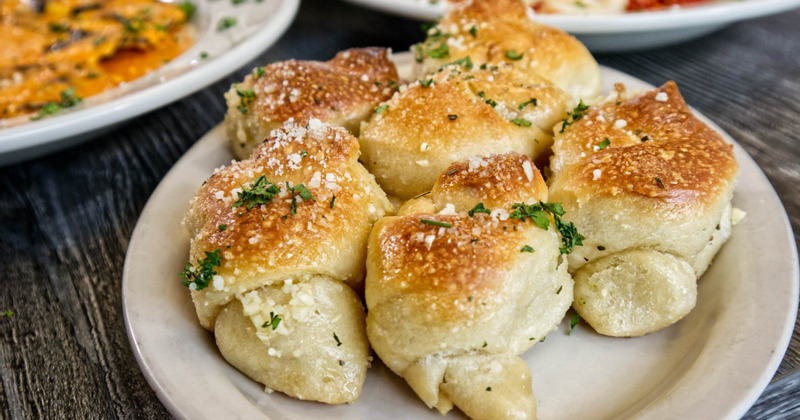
x,y
711,365
621,32
259,23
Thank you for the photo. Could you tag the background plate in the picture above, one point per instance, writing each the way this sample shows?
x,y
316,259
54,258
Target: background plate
x,y
620,32
711,365
258,25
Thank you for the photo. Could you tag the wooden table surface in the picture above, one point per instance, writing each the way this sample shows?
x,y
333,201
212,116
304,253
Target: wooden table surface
x,y
66,218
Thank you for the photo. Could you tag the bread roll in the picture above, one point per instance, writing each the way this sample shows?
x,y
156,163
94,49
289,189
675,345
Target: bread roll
x,y
642,174
343,91
457,113
453,298
289,227
500,31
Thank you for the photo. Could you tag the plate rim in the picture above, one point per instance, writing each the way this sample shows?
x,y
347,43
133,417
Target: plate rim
x,y
178,407
715,14
40,137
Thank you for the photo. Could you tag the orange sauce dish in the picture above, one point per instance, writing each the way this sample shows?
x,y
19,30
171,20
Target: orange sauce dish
x,y
55,52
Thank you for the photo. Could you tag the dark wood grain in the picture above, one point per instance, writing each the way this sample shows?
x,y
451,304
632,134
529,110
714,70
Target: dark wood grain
x,y
65,219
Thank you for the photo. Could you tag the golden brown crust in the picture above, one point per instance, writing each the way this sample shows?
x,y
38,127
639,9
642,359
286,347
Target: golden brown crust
x,y
656,148
343,92
429,125
497,181
268,237
456,271
311,89
504,33
453,297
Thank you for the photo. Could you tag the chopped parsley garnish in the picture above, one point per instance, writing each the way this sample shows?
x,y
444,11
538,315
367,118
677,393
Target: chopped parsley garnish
x,y
442,51
226,23
478,209
465,62
580,110
426,83
660,183
394,85
537,213
522,122
274,321
452,117
573,323
485,344
302,191
68,99
526,248
203,55
335,337
381,108
57,27
491,102
436,223
133,25
531,101
603,144
303,153
332,200
235,2
261,191
201,274
188,9
558,292
245,97
482,94
222,227
259,72
473,31
488,388
513,55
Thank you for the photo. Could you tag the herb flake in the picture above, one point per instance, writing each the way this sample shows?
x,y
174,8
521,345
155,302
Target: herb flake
x,y
478,209
576,114
513,55
573,323
436,223
274,321
261,191
188,9
68,99
531,101
198,277
226,23
537,213
522,122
